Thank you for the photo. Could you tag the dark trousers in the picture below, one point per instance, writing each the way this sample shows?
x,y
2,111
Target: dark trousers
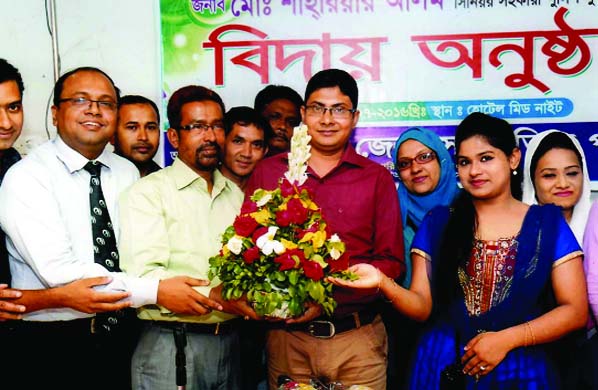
x,y
67,355
403,333
252,340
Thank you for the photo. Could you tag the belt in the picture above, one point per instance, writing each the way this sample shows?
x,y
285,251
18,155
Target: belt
x,y
217,328
180,330
80,325
325,328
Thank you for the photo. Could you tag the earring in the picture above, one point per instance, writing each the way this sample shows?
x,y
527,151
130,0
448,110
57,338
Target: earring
x,y
514,172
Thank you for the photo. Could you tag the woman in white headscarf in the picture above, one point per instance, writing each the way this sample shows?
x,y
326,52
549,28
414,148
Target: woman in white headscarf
x,y
555,171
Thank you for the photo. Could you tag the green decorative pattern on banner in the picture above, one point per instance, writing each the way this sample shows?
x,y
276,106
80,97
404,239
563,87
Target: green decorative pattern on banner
x,y
183,31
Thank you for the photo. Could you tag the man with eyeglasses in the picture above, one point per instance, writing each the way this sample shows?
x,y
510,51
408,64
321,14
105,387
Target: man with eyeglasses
x,y
358,199
171,223
45,210
137,135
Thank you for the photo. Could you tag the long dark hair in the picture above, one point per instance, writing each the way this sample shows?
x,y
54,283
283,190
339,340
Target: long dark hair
x,y
458,238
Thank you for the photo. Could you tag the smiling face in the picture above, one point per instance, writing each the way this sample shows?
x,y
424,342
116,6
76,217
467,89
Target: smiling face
x,y
485,171
329,134
138,133
199,149
87,128
558,179
244,147
418,178
11,114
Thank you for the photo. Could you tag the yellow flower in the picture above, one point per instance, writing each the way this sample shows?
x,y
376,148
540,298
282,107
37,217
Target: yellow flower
x,y
262,216
225,251
309,204
288,244
317,239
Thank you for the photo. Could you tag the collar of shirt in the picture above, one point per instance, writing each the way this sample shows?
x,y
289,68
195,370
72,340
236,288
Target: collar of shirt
x,y
349,157
74,160
184,176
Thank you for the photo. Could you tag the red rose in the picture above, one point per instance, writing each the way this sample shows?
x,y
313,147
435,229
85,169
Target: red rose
x,y
286,261
297,211
298,253
313,270
258,233
245,225
248,206
283,218
251,254
341,264
286,188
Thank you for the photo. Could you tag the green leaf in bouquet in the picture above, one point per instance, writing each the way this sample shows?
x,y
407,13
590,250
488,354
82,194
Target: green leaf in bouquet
x,y
295,307
315,290
280,276
237,293
293,277
328,306
320,260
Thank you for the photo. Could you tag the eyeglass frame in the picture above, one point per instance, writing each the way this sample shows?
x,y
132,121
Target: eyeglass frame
x,y
202,127
433,156
80,102
340,115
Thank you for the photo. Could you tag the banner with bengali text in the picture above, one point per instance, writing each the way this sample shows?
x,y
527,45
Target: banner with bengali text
x,y
417,62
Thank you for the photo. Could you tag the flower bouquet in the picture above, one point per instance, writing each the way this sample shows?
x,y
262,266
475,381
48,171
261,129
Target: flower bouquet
x,y
279,249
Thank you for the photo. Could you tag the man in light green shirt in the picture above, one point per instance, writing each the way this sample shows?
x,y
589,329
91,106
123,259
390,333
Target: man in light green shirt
x,y
171,222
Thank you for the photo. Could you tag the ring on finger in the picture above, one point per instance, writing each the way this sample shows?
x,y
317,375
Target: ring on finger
x,y
482,368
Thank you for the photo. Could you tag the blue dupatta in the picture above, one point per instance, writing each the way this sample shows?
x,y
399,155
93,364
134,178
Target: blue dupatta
x,y
413,206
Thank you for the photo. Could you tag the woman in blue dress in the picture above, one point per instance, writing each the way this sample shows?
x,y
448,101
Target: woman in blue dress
x,y
492,260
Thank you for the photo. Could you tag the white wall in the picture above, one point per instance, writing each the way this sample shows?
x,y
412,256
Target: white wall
x,y
121,37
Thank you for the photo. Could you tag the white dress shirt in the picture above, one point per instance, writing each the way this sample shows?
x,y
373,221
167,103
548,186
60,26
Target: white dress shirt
x,y
44,210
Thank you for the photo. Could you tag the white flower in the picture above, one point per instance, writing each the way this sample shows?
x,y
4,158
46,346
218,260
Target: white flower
x,y
268,244
335,253
235,244
264,199
335,238
299,155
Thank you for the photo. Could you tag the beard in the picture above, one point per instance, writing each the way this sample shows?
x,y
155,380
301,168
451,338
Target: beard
x,y
207,156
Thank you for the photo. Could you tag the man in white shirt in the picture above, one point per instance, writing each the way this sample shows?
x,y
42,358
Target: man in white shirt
x,y
45,212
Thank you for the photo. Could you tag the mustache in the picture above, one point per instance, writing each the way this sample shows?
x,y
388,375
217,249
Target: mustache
x,y
207,145
142,144
281,134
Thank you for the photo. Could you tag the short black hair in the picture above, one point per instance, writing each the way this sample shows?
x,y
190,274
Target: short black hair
x,y
246,116
276,92
188,94
60,82
330,78
10,73
138,99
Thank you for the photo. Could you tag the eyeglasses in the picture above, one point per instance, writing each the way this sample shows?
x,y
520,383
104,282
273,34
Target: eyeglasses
x,y
202,127
82,102
336,112
422,158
